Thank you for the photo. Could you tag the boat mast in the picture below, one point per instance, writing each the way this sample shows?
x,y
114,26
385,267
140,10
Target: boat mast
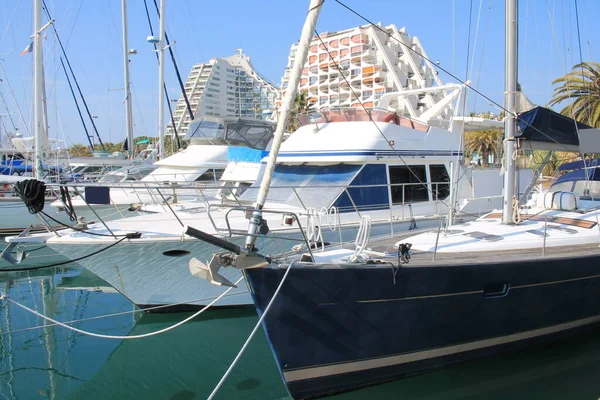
x,y
128,114
161,81
510,124
38,90
301,56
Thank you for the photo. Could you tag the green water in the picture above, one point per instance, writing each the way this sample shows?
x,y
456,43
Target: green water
x,y
187,362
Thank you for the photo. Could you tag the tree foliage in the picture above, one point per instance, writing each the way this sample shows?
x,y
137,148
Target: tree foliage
x,y
301,105
484,143
582,85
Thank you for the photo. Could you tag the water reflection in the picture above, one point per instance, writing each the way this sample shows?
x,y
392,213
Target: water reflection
x,y
52,362
41,360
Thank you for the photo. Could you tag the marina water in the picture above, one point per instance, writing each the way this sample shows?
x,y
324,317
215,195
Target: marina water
x,y
186,363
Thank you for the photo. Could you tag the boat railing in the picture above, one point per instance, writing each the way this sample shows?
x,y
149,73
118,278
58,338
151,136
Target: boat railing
x,y
353,114
392,211
398,193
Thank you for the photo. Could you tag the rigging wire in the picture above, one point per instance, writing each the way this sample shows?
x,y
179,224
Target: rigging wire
x,y
453,36
526,35
181,84
326,48
26,127
469,41
451,75
554,36
589,105
164,84
73,74
9,22
483,51
475,40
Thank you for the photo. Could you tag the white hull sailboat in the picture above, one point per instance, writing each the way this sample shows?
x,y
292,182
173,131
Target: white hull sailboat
x,y
339,167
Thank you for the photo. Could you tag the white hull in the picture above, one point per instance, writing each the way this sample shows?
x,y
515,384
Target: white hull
x,y
141,271
14,216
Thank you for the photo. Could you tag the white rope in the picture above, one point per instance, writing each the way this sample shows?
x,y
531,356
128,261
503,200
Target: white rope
x,y
239,355
362,237
117,314
333,219
310,223
516,217
5,297
319,232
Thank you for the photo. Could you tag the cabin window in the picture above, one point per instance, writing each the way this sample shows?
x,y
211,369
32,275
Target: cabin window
x,y
306,185
408,185
211,175
440,181
367,191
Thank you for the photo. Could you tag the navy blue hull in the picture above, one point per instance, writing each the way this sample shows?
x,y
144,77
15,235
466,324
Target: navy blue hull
x,y
334,329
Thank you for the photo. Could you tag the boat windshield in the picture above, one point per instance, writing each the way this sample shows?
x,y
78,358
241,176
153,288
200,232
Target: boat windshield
x,y
359,114
206,129
255,134
306,186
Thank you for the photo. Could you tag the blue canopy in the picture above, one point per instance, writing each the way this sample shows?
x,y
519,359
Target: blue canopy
x,y
579,164
550,130
579,175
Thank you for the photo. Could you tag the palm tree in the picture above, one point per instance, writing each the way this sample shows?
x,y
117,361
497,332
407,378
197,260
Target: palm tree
x,y
79,150
484,143
300,106
583,86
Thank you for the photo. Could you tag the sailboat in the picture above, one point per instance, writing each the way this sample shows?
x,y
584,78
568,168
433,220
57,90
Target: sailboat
x,y
397,306
339,167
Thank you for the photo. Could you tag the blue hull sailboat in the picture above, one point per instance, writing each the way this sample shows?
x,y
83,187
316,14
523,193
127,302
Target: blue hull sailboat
x,y
395,306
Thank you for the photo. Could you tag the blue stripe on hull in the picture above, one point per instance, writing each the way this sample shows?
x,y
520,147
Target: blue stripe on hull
x,y
336,329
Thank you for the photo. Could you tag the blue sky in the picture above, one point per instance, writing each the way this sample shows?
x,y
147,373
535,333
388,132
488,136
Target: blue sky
x,y
91,32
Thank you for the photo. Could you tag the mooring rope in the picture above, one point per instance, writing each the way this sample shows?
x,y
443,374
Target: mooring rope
x,y
4,296
260,320
116,314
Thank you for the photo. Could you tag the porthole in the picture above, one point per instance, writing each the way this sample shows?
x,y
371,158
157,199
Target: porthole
x,y
176,253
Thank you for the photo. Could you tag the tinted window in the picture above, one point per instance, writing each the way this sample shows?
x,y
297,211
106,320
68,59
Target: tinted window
x,y
211,175
440,181
408,185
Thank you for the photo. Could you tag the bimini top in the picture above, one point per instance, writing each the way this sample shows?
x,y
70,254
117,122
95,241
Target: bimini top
x,y
549,130
247,132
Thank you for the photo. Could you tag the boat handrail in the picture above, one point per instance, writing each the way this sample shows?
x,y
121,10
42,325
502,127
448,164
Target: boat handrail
x,y
353,114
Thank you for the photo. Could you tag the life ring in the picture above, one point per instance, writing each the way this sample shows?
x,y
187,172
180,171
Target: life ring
x,y
5,187
391,118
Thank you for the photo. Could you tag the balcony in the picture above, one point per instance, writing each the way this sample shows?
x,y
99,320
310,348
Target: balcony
x,y
369,56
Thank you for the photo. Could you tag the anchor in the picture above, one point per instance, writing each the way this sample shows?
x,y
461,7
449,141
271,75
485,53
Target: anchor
x,y
235,256
21,255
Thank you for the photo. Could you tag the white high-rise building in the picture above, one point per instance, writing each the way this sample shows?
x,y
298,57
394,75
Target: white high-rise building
x,y
364,62
225,87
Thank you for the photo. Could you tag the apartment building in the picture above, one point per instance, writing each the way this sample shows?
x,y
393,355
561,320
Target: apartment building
x,y
364,63
225,87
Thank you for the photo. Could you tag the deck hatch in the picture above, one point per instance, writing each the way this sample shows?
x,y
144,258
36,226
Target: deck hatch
x,y
483,236
562,229
537,232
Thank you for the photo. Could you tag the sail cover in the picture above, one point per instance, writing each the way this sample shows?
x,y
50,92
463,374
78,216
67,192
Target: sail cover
x,y
545,129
